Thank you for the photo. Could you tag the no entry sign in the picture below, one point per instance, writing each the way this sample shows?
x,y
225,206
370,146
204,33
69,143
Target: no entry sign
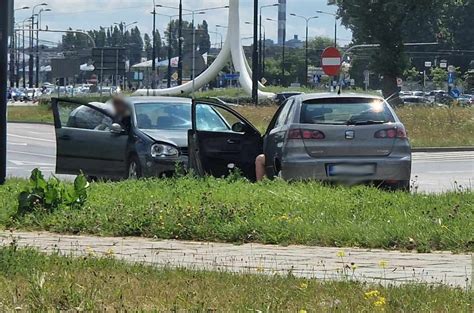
x,y
331,61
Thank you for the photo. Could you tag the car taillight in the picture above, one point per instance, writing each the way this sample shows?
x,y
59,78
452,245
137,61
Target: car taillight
x,y
306,134
392,133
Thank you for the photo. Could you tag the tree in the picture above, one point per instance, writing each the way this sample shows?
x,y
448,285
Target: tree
x,y
148,46
440,77
384,22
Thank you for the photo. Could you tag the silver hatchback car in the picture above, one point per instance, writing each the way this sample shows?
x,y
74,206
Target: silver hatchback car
x,y
350,138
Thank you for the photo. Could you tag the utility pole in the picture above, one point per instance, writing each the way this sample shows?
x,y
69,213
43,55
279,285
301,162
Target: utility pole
x,y
255,67
31,58
6,10
153,54
180,44
307,20
170,38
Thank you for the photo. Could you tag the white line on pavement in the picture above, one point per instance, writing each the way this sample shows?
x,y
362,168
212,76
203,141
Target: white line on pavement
x,y
31,138
33,154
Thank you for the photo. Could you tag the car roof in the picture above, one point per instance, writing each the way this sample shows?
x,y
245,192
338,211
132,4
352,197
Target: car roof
x,y
154,99
329,95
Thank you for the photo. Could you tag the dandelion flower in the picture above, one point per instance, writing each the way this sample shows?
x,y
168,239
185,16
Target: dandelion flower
x,y
302,311
341,254
383,264
380,302
372,294
304,286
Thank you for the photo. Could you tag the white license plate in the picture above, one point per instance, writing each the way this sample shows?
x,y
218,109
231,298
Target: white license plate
x,y
351,169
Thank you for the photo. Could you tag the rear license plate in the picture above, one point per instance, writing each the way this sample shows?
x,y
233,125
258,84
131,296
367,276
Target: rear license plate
x,y
351,169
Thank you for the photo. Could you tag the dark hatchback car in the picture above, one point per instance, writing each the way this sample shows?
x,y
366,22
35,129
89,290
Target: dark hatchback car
x,y
89,140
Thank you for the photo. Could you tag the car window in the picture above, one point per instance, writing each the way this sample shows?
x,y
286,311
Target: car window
x,y
283,117
163,116
79,116
211,117
342,111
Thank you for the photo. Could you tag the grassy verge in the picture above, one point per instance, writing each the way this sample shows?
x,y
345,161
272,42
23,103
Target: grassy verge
x,y
30,281
30,114
270,212
427,127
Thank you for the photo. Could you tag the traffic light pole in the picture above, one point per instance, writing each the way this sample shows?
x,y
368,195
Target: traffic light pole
x,y
180,44
255,63
4,11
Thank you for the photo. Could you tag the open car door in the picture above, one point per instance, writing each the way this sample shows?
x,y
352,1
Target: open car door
x,y
222,140
87,141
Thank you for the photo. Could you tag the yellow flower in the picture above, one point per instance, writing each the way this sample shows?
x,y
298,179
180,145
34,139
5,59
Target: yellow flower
x,y
110,252
380,302
302,311
341,254
383,264
90,251
371,294
304,286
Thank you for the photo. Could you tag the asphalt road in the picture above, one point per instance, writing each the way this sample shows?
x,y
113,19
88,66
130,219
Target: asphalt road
x,y
31,146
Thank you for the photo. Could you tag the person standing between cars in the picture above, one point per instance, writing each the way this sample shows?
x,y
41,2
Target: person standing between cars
x,y
260,167
122,112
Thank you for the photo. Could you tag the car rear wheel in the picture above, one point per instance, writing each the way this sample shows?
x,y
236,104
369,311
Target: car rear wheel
x,y
134,170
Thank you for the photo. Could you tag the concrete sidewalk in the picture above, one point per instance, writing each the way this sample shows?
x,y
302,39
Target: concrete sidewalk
x,y
374,266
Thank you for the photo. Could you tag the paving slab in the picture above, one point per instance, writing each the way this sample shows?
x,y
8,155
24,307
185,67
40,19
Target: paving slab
x,y
367,265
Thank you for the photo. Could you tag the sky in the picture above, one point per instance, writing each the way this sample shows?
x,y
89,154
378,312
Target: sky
x,y
90,14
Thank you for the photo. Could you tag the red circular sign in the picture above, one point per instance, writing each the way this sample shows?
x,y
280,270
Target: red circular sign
x,y
331,60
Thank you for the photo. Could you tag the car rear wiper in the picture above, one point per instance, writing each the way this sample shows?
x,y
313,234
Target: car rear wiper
x,y
370,122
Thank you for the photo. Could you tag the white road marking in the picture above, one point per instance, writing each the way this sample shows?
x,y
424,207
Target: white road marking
x,y
28,163
31,138
18,144
33,154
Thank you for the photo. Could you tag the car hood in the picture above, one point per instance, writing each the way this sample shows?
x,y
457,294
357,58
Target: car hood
x,y
178,138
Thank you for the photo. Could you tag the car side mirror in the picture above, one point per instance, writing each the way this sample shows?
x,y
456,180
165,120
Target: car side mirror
x,y
239,127
116,129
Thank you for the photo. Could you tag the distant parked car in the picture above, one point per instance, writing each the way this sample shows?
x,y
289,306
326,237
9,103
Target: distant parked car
x,y
414,100
281,97
466,100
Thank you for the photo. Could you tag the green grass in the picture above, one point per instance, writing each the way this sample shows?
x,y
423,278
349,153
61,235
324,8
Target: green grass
x,y
270,212
30,114
32,282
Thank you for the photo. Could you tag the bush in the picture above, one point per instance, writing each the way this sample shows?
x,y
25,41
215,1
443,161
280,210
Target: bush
x,y
52,194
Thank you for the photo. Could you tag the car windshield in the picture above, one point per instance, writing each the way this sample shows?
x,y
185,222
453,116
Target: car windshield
x,y
345,111
177,116
163,116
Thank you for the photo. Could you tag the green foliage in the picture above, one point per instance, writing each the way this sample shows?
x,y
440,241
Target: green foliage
x,y
51,194
271,212
440,77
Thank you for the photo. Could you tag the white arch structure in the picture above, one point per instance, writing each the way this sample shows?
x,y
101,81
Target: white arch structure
x,y
232,49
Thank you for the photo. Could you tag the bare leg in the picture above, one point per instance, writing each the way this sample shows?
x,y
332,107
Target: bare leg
x,y
260,167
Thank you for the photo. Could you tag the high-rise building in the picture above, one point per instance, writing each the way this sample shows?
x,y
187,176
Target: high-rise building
x,y
281,22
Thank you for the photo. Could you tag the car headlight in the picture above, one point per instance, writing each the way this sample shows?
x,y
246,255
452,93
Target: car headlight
x,y
160,150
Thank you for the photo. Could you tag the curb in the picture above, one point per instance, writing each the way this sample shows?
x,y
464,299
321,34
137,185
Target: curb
x,y
443,149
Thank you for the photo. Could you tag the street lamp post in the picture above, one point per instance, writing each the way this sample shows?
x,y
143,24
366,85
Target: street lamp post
x,y
261,44
307,20
335,24
38,25
13,76
153,54
31,59
24,49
